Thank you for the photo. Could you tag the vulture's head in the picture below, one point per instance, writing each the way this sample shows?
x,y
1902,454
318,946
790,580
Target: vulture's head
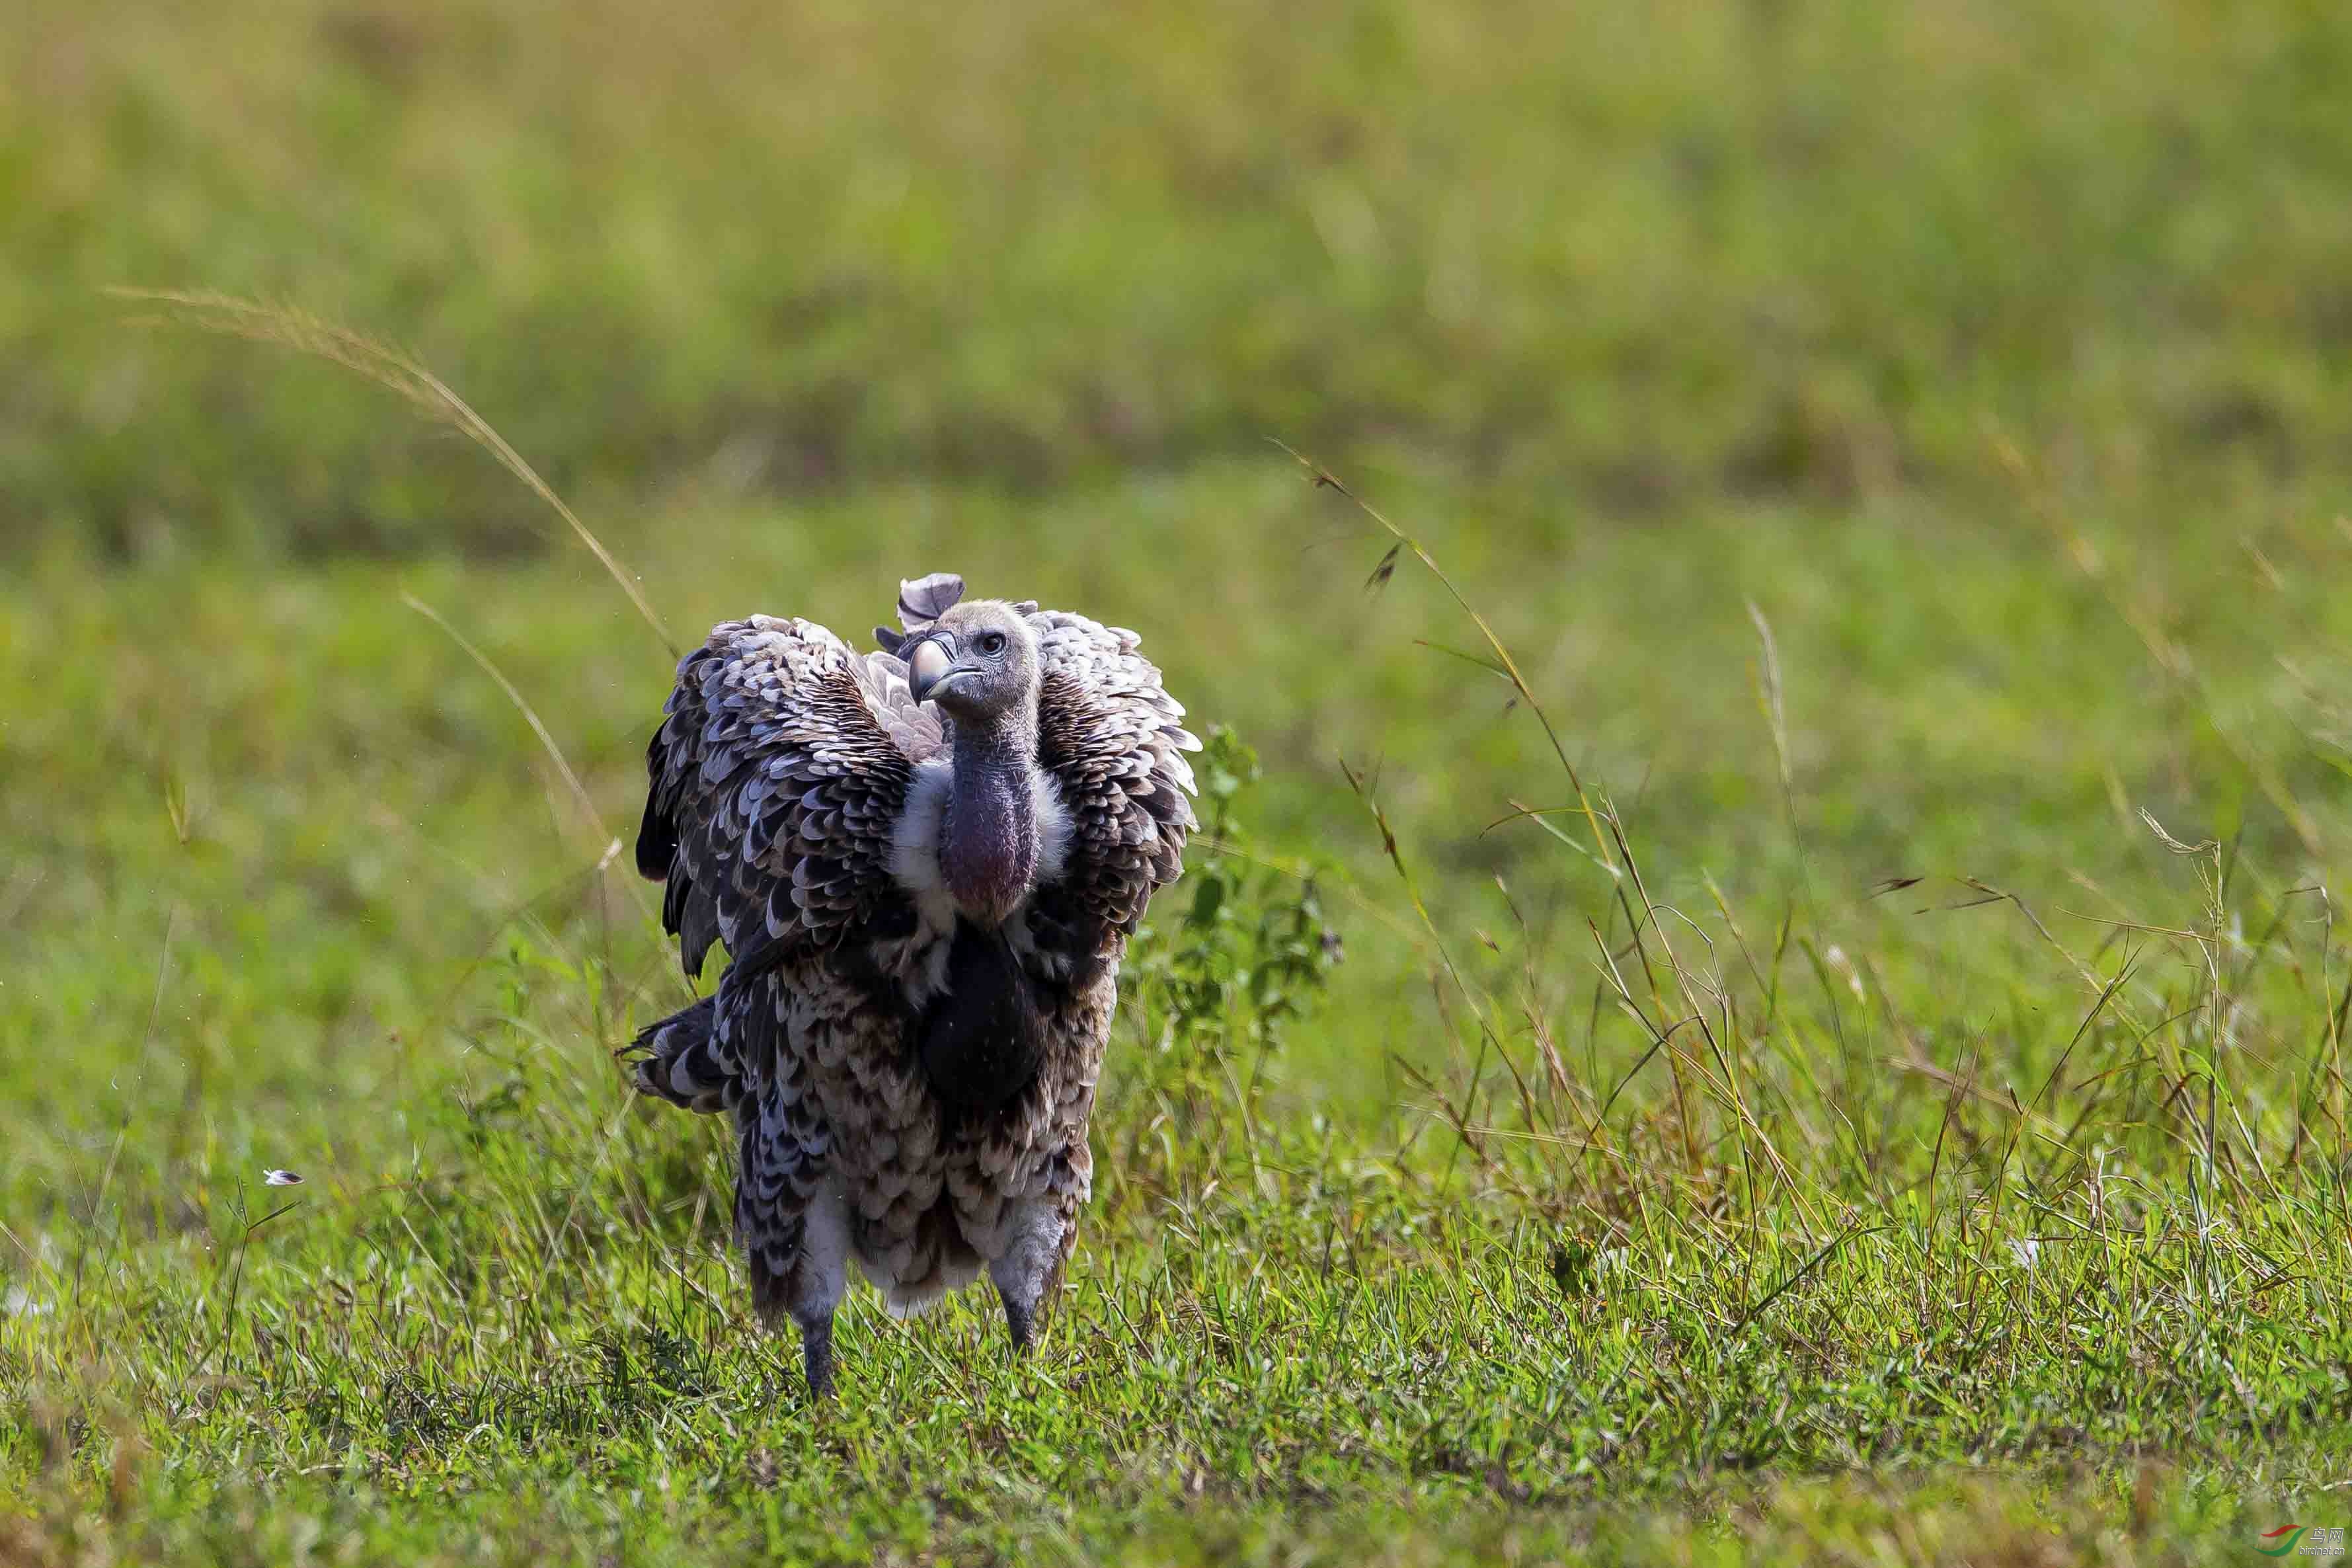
x,y
978,660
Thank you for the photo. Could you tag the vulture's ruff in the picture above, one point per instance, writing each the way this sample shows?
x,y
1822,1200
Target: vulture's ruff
x,y
924,863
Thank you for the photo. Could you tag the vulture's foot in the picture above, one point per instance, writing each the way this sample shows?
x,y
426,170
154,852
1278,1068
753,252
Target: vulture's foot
x,y
816,1355
1021,1318
1030,1269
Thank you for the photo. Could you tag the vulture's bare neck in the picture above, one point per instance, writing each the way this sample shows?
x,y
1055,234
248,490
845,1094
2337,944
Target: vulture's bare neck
x,y
988,841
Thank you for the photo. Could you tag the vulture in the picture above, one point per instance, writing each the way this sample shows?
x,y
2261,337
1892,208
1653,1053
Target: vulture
x,y
924,863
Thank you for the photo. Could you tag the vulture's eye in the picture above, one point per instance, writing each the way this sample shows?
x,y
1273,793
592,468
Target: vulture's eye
x,y
992,643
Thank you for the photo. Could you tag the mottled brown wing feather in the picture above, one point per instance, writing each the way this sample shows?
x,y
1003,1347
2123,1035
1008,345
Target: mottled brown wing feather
x,y
1114,740
773,792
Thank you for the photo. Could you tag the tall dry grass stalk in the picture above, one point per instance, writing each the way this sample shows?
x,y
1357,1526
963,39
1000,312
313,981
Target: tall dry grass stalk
x,y
1777,1143
397,372
405,376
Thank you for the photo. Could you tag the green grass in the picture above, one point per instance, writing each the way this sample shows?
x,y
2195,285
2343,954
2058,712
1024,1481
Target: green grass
x,y
1892,444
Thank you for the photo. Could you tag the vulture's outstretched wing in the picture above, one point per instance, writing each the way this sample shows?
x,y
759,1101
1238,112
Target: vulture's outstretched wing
x,y
777,778
1114,740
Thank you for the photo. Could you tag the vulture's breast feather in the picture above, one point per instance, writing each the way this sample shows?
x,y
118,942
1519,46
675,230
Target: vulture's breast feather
x,y
982,1040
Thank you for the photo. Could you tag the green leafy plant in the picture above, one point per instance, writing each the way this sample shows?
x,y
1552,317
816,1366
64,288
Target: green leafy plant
x,y
1216,986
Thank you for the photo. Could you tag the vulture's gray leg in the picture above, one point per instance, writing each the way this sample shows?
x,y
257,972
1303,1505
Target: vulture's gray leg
x,y
791,1214
1031,1258
819,1275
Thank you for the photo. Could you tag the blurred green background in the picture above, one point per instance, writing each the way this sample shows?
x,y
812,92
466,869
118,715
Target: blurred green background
x,y
1613,262
1991,353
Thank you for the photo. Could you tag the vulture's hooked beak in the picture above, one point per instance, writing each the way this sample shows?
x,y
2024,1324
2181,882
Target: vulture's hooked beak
x,y
930,663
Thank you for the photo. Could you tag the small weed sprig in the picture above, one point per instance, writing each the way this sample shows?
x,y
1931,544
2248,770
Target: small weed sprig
x,y
1214,989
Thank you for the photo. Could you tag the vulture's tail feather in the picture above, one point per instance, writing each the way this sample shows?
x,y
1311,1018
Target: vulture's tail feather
x,y
678,1060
